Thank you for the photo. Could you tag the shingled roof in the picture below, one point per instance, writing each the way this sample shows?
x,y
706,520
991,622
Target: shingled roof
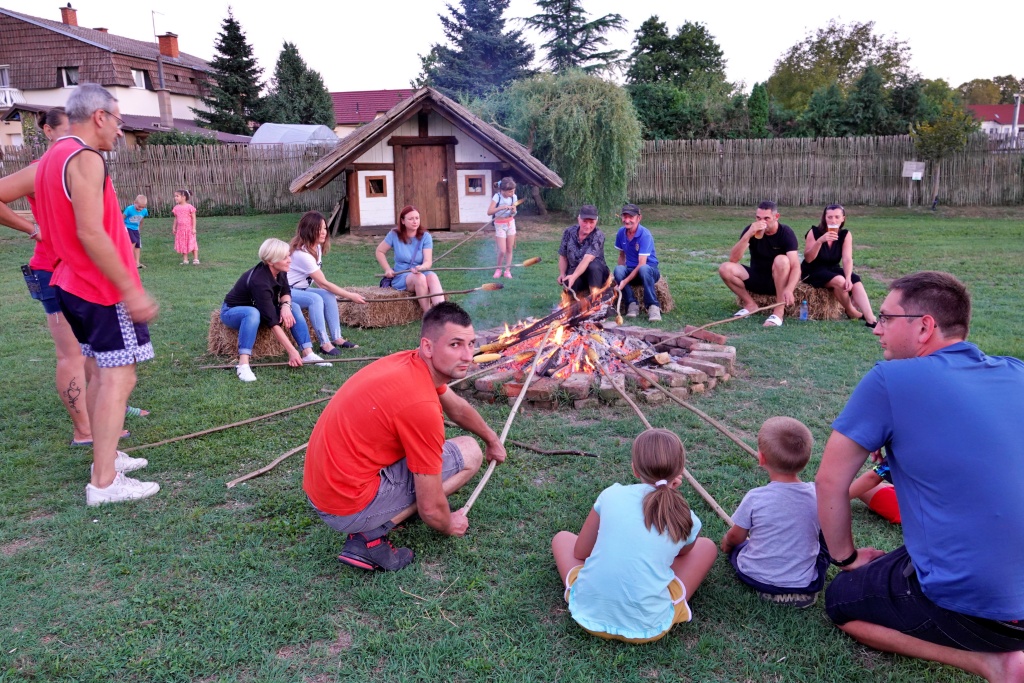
x,y
530,170
362,106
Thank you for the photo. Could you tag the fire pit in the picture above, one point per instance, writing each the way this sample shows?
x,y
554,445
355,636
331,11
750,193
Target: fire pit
x,y
583,360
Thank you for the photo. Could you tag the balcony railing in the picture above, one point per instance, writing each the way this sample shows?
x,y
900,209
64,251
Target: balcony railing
x,y
10,97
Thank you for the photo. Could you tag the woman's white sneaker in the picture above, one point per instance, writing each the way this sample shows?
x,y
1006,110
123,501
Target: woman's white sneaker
x,y
121,489
313,358
244,373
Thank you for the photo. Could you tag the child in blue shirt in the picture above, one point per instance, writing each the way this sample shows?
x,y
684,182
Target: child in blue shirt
x,y
638,556
133,217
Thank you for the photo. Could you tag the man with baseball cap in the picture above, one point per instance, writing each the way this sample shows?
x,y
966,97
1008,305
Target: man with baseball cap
x,y
581,264
637,261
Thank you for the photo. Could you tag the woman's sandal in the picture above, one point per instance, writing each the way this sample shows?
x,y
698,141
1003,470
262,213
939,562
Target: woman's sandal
x,y
132,411
88,442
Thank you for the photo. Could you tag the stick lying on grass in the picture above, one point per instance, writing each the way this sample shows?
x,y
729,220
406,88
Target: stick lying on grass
x,y
520,444
329,359
525,264
266,468
488,287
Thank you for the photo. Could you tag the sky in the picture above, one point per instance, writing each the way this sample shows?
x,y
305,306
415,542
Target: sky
x,y
375,45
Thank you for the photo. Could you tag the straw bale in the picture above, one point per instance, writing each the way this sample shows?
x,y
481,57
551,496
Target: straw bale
x,y
379,314
223,341
821,305
661,290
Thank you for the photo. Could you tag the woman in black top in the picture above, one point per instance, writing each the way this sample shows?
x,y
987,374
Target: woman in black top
x,y
262,297
828,262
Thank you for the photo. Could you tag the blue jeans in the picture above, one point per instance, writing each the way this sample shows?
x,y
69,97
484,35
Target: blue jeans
x,y
246,319
647,275
323,312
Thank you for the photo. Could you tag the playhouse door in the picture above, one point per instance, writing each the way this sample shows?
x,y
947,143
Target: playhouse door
x,y
426,184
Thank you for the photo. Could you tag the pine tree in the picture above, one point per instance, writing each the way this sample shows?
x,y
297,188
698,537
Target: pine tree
x,y
867,106
481,54
234,93
576,43
297,93
757,105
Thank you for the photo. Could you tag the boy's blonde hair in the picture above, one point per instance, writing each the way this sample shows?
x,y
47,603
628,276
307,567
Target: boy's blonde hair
x,y
658,455
785,443
141,200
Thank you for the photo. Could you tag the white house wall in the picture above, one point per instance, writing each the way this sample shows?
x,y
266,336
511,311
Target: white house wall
x,y
377,210
136,101
382,153
473,209
468,150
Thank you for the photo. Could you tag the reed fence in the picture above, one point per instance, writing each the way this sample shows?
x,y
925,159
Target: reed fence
x,y
223,179
803,171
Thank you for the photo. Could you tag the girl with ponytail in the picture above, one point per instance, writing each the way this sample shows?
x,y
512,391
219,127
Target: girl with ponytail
x,y
638,556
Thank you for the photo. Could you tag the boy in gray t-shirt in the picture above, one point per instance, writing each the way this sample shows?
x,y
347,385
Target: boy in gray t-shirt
x,y
775,543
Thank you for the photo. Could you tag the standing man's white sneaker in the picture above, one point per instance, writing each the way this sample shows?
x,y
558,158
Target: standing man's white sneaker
x,y
126,463
244,373
121,489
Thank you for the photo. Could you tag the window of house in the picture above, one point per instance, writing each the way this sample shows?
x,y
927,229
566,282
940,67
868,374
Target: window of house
x,y
5,77
475,185
376,186
69,76
139,78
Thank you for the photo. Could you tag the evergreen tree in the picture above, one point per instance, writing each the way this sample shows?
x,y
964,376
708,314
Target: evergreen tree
x,y
690,58
481,54
867,106
757,105
574,42
825,115
297,93
234,93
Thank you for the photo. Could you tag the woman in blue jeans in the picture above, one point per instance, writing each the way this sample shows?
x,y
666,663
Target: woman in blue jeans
x,y
308,247
262,297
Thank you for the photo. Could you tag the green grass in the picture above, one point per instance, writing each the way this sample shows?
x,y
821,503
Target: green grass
x,y
202,583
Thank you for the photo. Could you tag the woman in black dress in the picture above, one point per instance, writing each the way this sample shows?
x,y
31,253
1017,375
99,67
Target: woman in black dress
x,y
828,263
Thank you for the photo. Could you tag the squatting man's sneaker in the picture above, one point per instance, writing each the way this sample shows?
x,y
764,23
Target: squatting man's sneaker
x,y
122,489
375,554
632,310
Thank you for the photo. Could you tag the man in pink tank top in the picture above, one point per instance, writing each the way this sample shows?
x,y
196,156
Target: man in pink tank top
x,y
98,286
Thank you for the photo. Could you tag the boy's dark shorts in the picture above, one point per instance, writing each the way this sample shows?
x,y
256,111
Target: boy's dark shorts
x,y
136,237
759,282
886,592
821,563
106,333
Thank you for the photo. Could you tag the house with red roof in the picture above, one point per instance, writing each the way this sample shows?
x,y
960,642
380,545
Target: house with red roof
x,y
997,119
359,107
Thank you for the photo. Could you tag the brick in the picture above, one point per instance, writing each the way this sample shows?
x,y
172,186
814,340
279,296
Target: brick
x,y
542,389
678,352
585,403
680,342
712,369
697,388
490,383
705,346
723,359
680,392
579,385
656,336
541,405
725,378
705,335
652,397
607,391
693,374
669,378
484,396
512,389
711,383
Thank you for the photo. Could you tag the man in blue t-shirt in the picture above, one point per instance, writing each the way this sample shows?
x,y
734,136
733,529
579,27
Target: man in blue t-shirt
x,y
636,260
955,592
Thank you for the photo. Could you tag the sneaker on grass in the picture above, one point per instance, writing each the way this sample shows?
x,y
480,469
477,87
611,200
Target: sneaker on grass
x,y
798,600
654,314
121,489
312,357
632,310
245,373
375,554
126,463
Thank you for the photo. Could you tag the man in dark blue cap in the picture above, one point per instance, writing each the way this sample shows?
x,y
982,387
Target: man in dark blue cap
x,y
637,263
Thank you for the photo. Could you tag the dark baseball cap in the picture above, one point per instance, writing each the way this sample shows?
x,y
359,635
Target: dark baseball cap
x,y
588,211
631,209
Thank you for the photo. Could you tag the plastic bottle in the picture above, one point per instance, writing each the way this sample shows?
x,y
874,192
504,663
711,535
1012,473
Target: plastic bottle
x,y
803,310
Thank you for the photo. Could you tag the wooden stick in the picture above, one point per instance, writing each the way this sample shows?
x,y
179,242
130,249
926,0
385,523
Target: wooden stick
x,y
701,491
267,468
329,359
487,224
489,287
520,444
489,368
525,264
698,412
222,428
508,423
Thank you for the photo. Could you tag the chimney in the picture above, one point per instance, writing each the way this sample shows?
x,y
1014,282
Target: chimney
x,y
163,96
169,45
100,29
69,15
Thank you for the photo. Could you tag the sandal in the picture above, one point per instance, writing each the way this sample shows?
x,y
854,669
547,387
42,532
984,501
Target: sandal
x,y
773,321
132,411
88,442
741,313
348,345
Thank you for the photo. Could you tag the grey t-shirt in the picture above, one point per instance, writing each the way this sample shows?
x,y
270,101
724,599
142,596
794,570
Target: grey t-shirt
x,y
783,542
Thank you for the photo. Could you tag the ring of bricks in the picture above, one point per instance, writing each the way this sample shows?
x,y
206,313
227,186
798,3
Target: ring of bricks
x,y
698,364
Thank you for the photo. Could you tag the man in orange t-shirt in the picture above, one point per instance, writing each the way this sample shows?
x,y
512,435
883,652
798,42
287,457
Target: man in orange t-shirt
x,y
378,453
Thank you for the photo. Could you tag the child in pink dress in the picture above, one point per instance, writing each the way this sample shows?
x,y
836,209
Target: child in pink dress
x,y
185,227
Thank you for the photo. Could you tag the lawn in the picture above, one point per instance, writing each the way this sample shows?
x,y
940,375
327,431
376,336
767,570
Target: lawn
x,y
202,583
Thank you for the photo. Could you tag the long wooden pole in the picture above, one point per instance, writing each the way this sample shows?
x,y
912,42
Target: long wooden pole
x,y
525,264
489,287
508,423
329,359
266,468
701,491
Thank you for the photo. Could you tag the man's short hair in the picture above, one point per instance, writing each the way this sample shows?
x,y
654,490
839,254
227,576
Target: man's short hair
x,y
785,443
939,295
768,206
440,315
87,99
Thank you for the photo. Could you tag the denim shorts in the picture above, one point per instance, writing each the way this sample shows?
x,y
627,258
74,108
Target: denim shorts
x,y
886,592
396,492
47,295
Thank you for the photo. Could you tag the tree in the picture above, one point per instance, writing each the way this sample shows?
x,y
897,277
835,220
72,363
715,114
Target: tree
x,y
574,42
825,115
234,93
1008,86
980,91
481,55
758,107
180,138
297,93
867,106
946,136
580,126
690,58
837,53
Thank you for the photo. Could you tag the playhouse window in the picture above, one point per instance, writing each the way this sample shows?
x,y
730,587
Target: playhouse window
x,y
376,186
69,76
475,185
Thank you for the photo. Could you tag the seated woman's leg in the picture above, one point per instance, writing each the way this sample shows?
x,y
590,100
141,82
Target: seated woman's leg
x,y
417,284
245,319
300,331
434,287
306,299
838,287
860,299
331,315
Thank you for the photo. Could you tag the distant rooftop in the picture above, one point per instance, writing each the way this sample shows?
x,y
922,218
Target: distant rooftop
x,y
357,107
1000,113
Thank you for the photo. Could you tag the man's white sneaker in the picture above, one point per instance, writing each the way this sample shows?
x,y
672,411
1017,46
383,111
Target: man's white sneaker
x,y
654,314
244,373
121,489
312,357
633,310
126,463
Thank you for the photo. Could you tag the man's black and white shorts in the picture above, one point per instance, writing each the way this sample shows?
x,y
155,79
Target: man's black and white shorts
x,y
106,333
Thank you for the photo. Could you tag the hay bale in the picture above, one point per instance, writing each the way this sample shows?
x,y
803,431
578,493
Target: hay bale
x,y
665,300
821,305
379,314
221,340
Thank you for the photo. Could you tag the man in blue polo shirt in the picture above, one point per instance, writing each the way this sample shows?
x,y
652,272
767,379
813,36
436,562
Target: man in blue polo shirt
x,y
954,593
636,261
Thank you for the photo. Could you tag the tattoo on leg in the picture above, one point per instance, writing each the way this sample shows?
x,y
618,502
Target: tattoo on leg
x,y
72,394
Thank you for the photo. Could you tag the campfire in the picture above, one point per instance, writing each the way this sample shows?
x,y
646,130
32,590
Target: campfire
x,y
586,355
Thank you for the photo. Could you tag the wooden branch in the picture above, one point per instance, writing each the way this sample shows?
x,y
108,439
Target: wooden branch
x,y
489,287
525,264
329,359
508,423
520,444
267,468
229,426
